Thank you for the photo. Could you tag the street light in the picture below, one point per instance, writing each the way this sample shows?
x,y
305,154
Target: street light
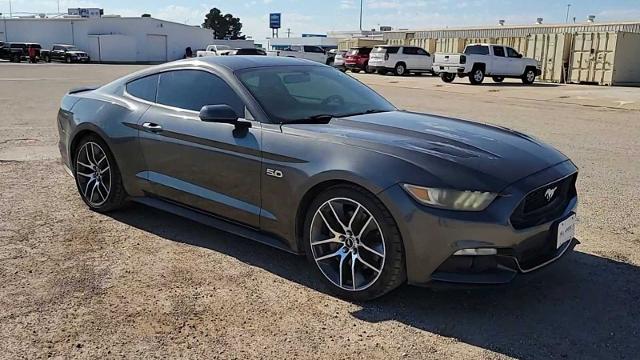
x,y
361,1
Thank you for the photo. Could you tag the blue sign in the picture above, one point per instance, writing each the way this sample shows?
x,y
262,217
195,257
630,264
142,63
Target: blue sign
x,y
274,20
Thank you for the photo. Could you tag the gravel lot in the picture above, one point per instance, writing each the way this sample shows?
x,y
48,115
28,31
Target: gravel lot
x,y
142,283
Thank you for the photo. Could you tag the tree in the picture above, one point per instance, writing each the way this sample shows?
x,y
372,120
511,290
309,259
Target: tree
x,y
223,26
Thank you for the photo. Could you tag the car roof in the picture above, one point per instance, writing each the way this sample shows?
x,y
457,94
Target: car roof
x,y
246,62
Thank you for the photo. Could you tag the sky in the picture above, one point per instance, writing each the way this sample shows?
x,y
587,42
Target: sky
x,y
320,16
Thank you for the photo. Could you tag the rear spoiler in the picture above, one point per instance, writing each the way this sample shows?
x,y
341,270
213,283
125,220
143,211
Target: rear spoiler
x,y
83,89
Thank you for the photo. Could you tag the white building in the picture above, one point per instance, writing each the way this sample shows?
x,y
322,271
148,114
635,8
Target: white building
x,y
114,39
326,43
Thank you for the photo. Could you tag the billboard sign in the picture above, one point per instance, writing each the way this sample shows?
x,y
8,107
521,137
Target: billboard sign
x,y
86,12
275,20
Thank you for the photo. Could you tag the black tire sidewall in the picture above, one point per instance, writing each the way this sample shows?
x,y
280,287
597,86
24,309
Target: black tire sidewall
x,y
117,194
472,78
393,273
524,77
398,66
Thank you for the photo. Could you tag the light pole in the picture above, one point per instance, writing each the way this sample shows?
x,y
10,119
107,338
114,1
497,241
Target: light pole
x,y
361,1
567,18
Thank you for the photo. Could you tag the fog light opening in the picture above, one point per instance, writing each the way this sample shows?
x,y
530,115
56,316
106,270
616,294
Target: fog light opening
x,y
476,252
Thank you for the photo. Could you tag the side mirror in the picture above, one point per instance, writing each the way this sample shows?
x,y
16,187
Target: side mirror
x,y
222,114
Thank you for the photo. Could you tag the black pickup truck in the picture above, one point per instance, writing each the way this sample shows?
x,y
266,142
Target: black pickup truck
x,y
13,51
65,53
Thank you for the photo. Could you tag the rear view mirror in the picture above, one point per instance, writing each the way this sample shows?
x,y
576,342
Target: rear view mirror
x,y
221,114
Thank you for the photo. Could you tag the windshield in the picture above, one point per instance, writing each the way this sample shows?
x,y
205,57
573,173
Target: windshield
x,y
71,48
290,93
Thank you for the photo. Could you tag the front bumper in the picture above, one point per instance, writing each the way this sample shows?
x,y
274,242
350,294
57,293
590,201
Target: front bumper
x,y
432,236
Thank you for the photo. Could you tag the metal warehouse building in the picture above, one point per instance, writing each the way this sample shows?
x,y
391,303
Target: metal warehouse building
x,y
111,39
599,53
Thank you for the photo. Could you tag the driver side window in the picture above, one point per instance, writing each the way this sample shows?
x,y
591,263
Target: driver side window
x,y
512,53
193,89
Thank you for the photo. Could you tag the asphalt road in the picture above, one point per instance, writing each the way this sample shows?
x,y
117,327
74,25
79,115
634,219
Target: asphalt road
x,y
142,283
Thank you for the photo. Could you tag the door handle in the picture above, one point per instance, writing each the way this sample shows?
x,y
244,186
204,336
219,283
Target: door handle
x,y
152,127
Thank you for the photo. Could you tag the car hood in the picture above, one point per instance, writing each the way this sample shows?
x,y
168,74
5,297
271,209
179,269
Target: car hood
x,y
455,153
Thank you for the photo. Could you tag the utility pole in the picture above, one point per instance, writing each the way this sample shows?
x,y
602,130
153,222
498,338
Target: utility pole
x,y
361,1
288,32
567,18
10,13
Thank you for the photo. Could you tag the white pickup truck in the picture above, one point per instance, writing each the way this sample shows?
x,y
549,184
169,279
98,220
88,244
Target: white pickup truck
x,y
313,53
213,50
480,60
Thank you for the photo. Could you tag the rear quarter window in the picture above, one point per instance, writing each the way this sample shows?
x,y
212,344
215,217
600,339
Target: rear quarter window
x,y
477,50
144,88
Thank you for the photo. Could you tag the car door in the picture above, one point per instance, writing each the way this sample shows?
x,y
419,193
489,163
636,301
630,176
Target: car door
x,y
57,53
500,63
409,57
209,166
516,65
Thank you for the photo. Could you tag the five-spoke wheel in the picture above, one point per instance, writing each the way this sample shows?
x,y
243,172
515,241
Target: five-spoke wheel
x,y
354,243
94,173
97,175
347,244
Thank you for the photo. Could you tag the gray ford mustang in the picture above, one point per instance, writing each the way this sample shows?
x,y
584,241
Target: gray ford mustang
x,y
299,156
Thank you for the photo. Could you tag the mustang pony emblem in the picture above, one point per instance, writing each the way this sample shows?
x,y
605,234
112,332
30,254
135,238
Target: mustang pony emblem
x,y
549,193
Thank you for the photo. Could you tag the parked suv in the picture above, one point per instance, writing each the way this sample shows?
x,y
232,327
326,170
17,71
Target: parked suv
x,y
401,60
13,52
357,59
66,53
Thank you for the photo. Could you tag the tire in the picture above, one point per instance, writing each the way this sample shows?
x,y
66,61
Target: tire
x,y
400,69
94,178
447,77
529,76
47,58
355,70
367,69
477,76
497,79
376,244
16,58
382,72
68,60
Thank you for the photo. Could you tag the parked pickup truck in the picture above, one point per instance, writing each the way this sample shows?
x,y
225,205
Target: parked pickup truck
x,y
13,52
213,50
480,60
65,53
313,53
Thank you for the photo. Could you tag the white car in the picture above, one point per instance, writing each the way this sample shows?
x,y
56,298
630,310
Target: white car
x,y
214,50
309,52
401,60
480,60
338,59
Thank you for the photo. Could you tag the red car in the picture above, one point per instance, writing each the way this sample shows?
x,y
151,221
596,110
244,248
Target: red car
x,y
357,59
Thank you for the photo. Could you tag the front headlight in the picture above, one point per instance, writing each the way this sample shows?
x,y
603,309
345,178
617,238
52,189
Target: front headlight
x,y
451,199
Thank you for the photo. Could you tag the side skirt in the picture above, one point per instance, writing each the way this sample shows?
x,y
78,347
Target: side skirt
x,y
214,222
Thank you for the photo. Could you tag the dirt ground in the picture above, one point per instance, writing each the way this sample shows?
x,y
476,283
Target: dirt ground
x,y
142,283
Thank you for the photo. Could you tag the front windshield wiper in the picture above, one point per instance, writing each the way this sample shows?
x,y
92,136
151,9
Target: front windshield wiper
x,y
314,119
370,111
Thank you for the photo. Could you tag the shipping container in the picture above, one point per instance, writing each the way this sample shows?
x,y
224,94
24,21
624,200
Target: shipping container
x,y
347,44
606,58
427,44
450,45
552,52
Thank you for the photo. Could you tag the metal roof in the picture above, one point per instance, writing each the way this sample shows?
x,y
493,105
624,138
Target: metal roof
x,y
513,30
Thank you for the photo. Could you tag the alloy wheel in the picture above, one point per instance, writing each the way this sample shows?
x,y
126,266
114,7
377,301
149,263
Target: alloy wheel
x,y
347,244
93,174
531,76
478,75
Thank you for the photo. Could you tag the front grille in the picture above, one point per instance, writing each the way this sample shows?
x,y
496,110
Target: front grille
x,y
544,204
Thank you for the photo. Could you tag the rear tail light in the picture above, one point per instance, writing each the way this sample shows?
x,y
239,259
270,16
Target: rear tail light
x,y
463,59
